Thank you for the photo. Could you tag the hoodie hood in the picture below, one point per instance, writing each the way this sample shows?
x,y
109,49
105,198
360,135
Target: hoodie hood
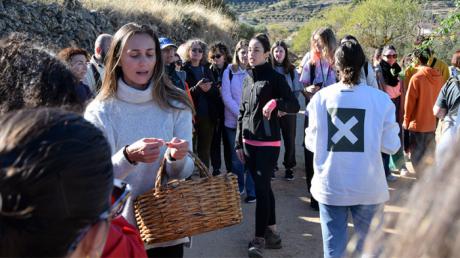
x,y
432,75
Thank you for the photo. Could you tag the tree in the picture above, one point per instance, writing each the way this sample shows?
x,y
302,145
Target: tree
x,y
374,22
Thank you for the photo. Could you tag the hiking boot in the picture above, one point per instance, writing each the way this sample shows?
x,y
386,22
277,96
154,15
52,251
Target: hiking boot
x,y
250,199
404,172
289,174
272,239
255,247
216,172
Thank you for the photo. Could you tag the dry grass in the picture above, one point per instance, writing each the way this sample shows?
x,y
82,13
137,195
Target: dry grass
x,y
168,11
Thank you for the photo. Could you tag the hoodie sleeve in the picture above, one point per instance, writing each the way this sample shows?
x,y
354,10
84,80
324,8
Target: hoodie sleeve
x,y
239,122
183,130
411,101
390,139
229,102
311,130
95,114
286,101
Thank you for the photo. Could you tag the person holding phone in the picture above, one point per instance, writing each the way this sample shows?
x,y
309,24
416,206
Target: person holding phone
x,y
205,97
317,71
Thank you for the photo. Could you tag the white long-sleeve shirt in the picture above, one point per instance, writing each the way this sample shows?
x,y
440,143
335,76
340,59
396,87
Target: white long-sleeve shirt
x,y
348,130
130,116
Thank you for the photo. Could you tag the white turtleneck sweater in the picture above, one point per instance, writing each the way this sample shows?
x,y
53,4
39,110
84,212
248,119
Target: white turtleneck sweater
x,y
132,115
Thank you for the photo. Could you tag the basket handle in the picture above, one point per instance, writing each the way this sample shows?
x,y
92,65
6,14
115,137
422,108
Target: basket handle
x,y
204,172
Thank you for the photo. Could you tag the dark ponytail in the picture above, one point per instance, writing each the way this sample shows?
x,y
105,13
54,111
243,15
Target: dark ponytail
x,y
349,58
56,177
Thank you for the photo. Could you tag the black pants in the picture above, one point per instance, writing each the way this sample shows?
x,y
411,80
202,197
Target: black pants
x,y
219,135
175,251
308,158
421,144
288,128
261,161
204,128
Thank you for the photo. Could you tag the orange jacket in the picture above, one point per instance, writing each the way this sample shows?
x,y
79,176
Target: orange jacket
x,y
421,96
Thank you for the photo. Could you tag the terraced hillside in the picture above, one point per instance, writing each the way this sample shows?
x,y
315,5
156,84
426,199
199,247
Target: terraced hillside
x,y
293,13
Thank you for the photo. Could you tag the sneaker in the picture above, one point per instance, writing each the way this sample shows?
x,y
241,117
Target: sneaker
x,y
289,175
255,248
250,199
272,239
216,172
404,172
242,192
391,178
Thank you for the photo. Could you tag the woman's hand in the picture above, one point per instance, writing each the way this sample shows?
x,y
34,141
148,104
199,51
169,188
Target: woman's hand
x,y
145,150
178,148
268,108
240,155
312,89
205,86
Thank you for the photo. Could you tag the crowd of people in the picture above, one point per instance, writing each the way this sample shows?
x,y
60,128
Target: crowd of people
x,y
72,123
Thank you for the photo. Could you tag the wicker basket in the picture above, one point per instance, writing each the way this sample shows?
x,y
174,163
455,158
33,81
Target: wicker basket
x,y
187,207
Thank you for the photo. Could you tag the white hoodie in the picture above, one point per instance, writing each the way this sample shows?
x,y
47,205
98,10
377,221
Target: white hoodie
x,y
348,130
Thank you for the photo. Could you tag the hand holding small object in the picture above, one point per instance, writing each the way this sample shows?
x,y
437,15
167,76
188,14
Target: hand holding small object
x,y
268,108
145,150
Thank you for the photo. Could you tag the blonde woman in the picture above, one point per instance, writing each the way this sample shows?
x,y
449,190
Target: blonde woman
x,y
144,117
317,72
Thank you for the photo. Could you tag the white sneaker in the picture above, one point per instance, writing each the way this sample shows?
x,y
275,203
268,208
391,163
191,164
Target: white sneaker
x,y
404,172
391,178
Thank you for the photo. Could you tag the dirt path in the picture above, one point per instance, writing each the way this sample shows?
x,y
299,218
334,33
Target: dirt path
x,y
297,222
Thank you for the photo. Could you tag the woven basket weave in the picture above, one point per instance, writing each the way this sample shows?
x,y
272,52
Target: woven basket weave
x,y
187,207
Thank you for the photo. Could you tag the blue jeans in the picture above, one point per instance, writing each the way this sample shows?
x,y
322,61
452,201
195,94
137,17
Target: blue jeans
x,y
334,220
238,168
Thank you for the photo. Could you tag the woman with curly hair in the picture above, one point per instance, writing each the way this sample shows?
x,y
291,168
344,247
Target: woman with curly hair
x,y
32,77
205,95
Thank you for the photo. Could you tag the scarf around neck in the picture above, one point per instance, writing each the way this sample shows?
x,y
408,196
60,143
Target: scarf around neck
x,y
390,73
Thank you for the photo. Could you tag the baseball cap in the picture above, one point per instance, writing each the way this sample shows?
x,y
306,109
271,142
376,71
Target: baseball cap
x,y
166,42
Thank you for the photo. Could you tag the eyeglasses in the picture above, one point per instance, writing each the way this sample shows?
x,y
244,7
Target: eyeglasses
x,y
216,56
120,193
195,50
391,56
179,62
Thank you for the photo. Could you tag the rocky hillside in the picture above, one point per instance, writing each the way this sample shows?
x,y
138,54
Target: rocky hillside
x,y
65,23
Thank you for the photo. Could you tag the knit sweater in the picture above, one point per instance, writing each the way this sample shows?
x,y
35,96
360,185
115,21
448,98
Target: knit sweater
x,y
348,129
421,96
132,115
231,94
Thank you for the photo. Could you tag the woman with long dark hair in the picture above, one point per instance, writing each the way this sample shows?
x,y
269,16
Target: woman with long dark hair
x,y
56,177
288,122
265,92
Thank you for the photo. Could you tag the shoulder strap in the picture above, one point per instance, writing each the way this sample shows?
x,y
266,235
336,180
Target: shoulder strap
x,y
366,68
291,73
97,77
312,73
433,63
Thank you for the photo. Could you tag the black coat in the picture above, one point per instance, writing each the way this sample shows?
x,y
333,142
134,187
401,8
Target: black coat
x,y
206,103
262,86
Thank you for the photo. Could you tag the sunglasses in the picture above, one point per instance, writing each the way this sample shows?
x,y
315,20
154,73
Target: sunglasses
x,y
393,56
178,62
120,193
216,56
195,50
